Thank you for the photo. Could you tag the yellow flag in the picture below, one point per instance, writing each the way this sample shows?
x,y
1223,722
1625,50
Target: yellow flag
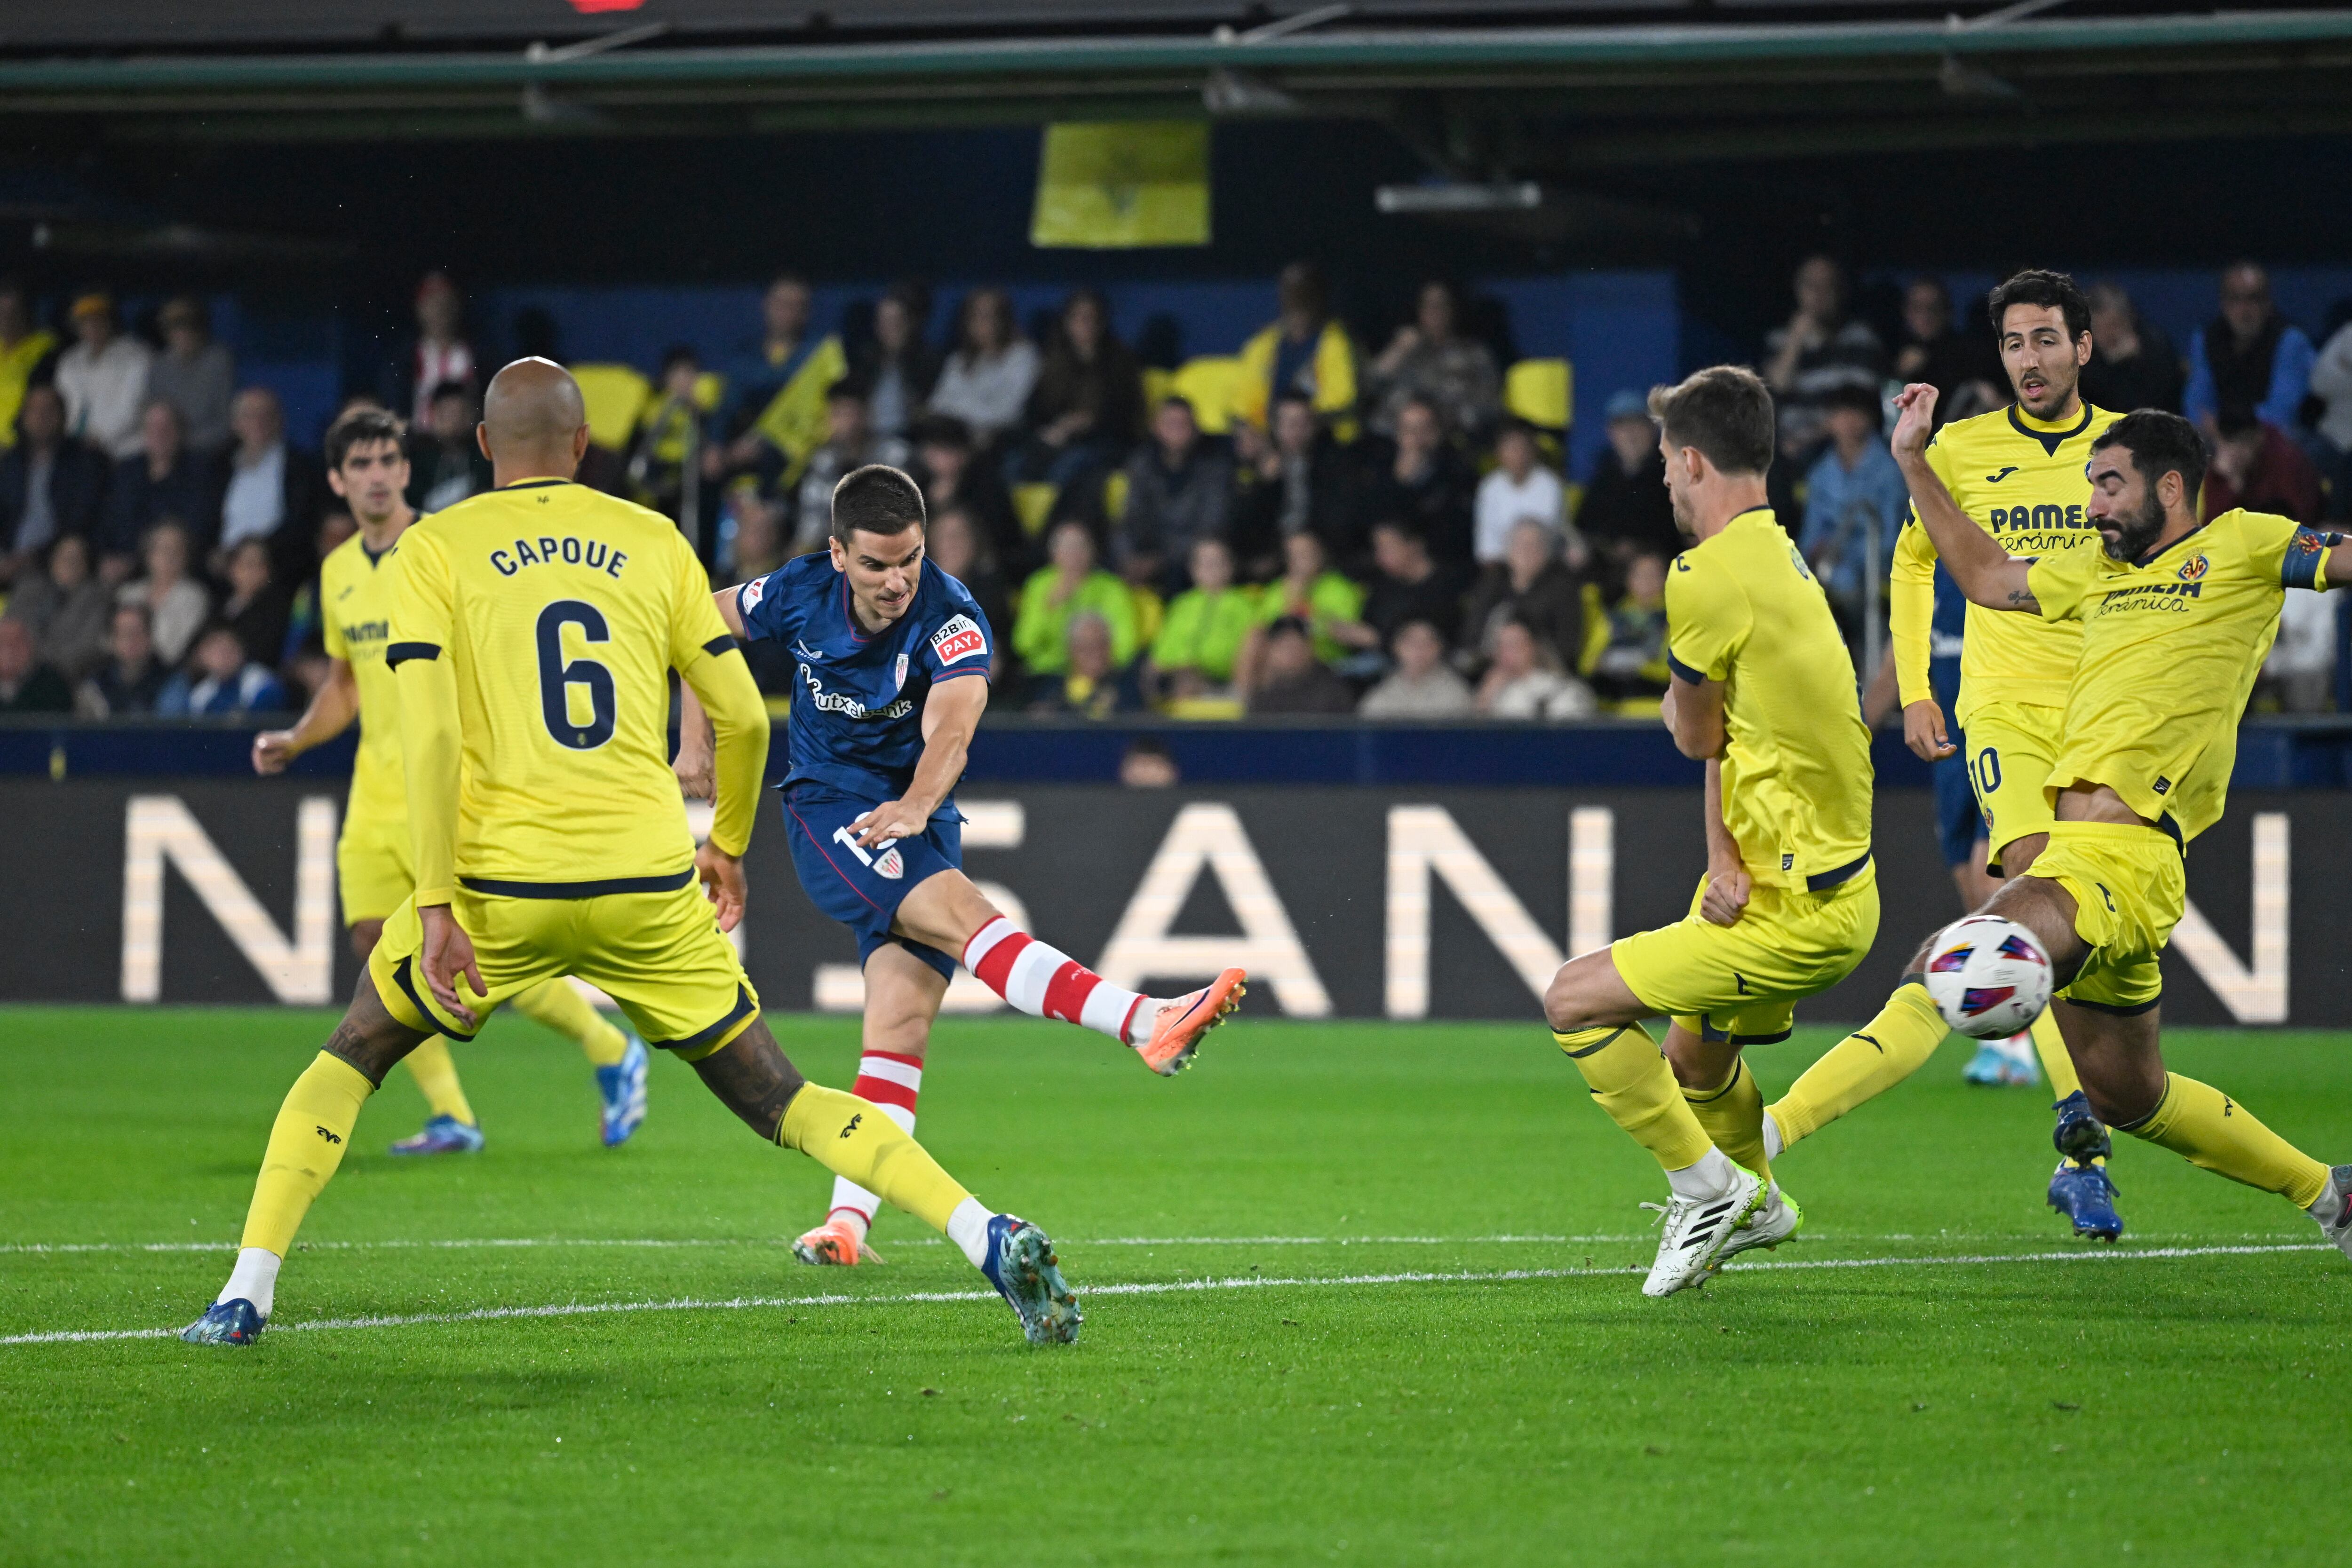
x,y
794,421
1123,184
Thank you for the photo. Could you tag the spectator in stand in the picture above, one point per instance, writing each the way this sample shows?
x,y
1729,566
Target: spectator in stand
x,y
273,492
1328,605
1178,491
1932,350
103,378
26,685
1419,685
897,365
1088,407
1147,765
1534,586
1625,511
444,463
66,607
1524,680
1631,664
1092,683
27,356
849,442
131,681
442,354
1293,479
1405,585
1069,586
951,476
1429,361
955,544
50,486
220,682
988,377
257,607
1820,348
2133,363
774,413
1200,637
2331,383
1290,679
2299,676
194,374
2248,356
2256,465
177,605
165,480
1302,350
305,633
1427,483
1519,489
1854,505
667,436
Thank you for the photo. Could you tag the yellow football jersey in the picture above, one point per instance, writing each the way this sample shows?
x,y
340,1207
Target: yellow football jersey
x,y
1742,608
2171,649
560,611
355,598
2023,482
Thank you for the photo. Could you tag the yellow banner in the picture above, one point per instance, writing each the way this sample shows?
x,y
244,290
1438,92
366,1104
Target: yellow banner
x,y
1123,184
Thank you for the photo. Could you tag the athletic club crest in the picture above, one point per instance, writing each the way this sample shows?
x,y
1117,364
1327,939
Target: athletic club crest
x,y
891,862
901,683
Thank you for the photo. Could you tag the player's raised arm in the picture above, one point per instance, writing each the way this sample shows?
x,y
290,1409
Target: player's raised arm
x,y
329,714
1988,574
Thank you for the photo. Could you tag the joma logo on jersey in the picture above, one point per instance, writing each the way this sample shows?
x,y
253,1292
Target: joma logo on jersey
x,y
2046,516
957,638
367,632
849,706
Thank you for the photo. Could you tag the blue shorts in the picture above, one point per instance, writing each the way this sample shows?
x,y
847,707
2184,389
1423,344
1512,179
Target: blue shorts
x,y
862,888
1959,822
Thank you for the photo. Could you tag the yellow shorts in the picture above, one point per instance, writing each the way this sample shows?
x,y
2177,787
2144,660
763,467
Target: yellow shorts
x,y
2012,747
2129,885
1742,982
371,864
660,955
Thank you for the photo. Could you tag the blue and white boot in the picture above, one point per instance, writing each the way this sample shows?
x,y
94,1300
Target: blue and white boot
x,y
442,1135
227,1322
623,1086
1021,1264
2005,1064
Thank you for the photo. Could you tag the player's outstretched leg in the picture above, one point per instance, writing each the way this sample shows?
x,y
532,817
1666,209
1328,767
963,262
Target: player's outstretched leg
x,y
617,1056
449,1127
852,1138
947,911
902,997
313,1128
1867,1063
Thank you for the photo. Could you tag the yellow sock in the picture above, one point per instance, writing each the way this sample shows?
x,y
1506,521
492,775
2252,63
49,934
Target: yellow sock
x,y
435,1071
313,1127
1733,1114
1874,1058
555,1004
2208,1128
2056,1064
1630,1078
850,1137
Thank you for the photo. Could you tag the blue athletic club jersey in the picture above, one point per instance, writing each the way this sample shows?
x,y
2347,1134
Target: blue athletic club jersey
x,y
857,709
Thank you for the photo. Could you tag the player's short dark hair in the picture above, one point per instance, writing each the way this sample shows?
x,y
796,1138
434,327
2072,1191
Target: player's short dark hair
x,y
878,499
2050,290
2160,444
361,427
1725,411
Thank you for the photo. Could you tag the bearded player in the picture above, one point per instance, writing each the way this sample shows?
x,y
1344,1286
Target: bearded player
x,y
892,656
368,468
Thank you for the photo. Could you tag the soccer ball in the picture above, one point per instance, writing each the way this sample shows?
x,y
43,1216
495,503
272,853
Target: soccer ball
x,y
1989,976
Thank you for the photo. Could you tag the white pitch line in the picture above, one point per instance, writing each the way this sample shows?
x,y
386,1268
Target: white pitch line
x,y
1163,1287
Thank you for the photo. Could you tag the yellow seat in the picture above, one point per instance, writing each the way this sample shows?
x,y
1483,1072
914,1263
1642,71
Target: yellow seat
x,y
1211,384
1034,504
1212,709
1150,613
1541,391
614,395
1115,488
1596,630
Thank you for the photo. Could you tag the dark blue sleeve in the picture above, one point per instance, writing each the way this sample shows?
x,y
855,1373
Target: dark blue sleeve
x,y
762,603
2306,556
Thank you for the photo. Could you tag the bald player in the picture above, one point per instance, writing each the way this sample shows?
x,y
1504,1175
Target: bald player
x,y
533,633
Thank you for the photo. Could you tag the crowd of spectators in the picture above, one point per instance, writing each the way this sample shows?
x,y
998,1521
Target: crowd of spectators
x,y
1343,531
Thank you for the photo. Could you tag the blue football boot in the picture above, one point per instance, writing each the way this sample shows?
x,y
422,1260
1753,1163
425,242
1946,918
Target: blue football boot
x,y
442,1135
1022,1266
623,1086
2080,1189
227,1322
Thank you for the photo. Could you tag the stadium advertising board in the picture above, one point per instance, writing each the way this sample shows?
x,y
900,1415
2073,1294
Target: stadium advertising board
x,y
1343,903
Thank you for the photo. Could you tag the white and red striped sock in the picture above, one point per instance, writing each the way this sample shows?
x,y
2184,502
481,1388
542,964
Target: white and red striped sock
x,y
891,1082
1047,983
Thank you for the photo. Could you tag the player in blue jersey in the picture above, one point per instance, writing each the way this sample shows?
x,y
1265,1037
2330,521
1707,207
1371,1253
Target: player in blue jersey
x,y
891,674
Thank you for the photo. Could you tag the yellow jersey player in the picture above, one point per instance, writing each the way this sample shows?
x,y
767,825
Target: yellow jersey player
x,y
367,465
534,632
2176,620
1764,690
2018,474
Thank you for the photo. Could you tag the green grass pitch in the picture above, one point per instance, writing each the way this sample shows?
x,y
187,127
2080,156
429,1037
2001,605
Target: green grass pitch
x,y
1421,1339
